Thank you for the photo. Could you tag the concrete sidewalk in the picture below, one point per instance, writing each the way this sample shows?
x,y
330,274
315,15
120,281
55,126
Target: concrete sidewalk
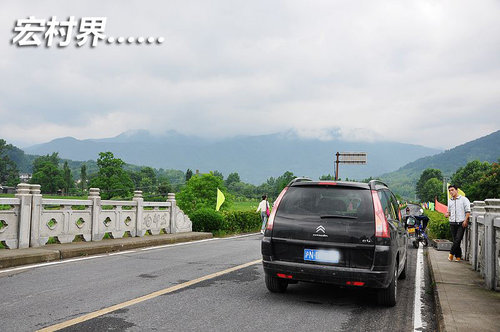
x,y
52,252
463,303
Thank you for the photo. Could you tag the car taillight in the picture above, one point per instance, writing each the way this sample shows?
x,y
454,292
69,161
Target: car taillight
x,y
270,221
381,224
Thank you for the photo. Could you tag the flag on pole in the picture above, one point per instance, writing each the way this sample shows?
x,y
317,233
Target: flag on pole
x,y
440,207
431,206
460,192
220,199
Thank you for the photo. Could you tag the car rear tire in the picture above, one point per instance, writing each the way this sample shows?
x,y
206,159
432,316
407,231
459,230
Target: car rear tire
x,y
387,296
276,285
403,273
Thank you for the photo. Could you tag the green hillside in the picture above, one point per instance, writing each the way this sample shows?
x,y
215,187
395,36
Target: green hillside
x,y
403,180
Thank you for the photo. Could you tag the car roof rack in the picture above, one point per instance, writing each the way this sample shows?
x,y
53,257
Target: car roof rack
x,y
297,180
376,183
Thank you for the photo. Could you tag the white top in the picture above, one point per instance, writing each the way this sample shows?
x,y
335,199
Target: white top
x,y
458,208
262,206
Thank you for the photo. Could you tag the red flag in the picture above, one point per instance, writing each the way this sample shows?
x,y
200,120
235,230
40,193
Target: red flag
x,y
440,207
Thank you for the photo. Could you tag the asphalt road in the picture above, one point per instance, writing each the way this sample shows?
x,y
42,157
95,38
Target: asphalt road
x,y
236,301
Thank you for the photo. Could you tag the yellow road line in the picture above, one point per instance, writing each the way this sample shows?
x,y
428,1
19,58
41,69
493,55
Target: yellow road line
x,y
150,296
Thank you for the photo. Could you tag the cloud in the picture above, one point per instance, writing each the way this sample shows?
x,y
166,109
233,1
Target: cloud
x,y
365,70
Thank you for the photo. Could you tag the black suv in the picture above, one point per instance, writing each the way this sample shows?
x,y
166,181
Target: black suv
x,y
343,233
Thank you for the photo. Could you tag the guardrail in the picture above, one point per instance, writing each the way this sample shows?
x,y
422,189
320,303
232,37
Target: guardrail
x,y
482,241
30,220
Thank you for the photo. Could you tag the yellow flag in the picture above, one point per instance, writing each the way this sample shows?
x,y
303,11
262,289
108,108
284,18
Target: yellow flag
x,y
220,199
460,192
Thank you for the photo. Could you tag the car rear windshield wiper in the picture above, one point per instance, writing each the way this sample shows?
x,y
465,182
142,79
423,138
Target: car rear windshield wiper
x,y
326,216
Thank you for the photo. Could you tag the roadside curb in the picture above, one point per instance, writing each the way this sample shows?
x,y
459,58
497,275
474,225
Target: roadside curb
x,y
439,312
54,252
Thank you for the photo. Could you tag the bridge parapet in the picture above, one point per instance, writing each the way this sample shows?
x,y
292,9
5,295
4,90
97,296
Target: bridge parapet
x,y
29,220
483,242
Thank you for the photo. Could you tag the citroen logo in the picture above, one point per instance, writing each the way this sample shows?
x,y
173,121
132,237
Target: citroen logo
x,y
320,229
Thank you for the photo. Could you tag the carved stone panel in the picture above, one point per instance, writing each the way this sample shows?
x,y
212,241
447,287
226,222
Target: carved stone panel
x,y
182,221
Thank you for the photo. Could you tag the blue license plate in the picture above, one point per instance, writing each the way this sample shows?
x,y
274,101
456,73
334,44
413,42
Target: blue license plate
x,y
324,256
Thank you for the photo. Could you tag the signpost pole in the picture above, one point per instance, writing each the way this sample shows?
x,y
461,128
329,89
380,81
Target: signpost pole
x,y
337,167
348,158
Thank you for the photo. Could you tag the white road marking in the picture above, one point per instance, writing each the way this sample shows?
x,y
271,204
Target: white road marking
x,y
71,260
143,298
418,324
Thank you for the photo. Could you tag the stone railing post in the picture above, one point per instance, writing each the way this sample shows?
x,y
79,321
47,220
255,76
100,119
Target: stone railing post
x,y
23,193
139,225
477,211
173,208
492,211
94,196
36,212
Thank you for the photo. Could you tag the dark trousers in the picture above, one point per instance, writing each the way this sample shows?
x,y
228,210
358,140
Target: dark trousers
x,y
457,233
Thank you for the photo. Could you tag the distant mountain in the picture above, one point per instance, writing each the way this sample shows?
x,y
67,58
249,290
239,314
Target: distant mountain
x,y
403,180
255,158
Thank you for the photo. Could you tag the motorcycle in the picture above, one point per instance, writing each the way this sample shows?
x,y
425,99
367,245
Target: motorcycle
x,y
416,226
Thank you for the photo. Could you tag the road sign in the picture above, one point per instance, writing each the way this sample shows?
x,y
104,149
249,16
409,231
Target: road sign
x,y
352,157
349,158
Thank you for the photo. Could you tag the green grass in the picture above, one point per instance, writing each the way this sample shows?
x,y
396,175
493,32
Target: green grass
x,y
64,197
245,206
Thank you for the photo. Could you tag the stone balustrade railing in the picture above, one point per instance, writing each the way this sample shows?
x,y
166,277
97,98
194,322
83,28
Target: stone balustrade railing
x,y
482,244
31,219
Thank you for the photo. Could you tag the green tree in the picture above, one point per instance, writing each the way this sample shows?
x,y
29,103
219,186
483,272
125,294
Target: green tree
x,y
218,174
144,179
282,181
111,178
201,192
146,185
39,161
164,186
327,177
47,174
232,178
83,177
426,175
9,175
431,189
467,178
189,174
489,184
68,179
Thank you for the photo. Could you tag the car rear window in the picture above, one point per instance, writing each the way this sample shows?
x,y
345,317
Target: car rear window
x,y
327,201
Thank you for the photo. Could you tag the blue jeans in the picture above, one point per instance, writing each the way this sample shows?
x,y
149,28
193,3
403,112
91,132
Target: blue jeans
x,y
263,217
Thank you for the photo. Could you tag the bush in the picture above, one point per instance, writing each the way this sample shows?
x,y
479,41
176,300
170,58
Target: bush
x,y
438,227
206,220
241,221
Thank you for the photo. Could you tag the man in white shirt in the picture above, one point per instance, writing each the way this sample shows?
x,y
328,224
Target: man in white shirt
x,y
459,213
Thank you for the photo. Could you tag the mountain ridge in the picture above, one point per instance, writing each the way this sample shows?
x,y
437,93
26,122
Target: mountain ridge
x,y
255,158
485,148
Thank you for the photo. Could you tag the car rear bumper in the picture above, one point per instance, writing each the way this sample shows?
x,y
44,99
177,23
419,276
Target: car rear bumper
x,y
328,274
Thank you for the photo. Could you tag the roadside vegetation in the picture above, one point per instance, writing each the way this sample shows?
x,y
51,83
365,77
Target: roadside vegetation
x,y
196,193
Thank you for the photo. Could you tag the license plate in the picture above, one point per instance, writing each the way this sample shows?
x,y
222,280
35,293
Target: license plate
x,y
324,256
411,230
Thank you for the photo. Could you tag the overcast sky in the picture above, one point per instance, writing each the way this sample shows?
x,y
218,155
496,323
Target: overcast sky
x,y
421,72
